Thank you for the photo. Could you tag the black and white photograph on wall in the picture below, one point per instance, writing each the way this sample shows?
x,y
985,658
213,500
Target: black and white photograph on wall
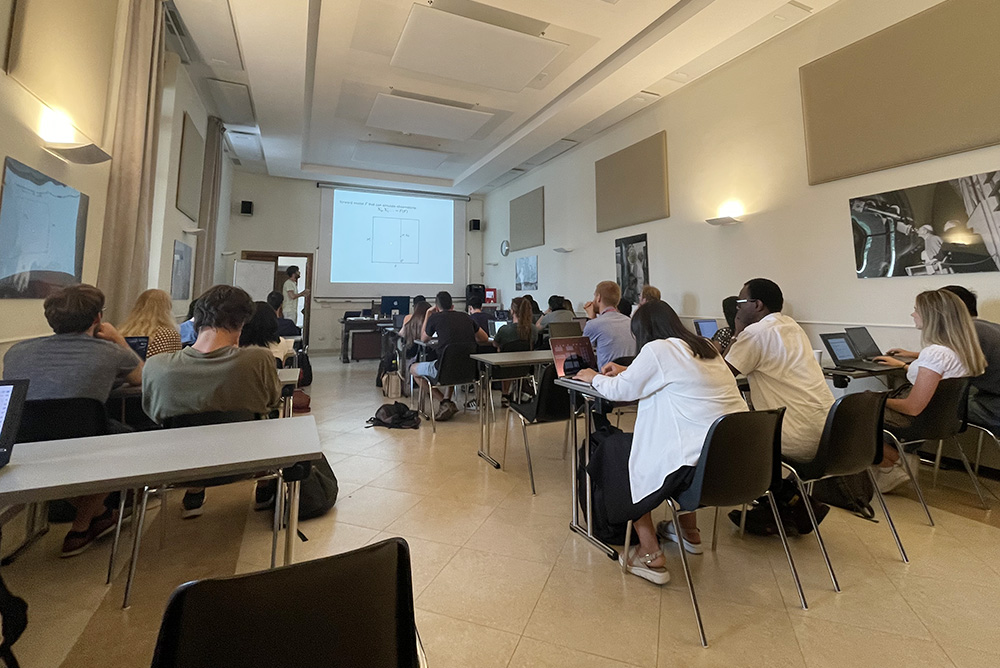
x,y
949,227
526,273
180,271
632,266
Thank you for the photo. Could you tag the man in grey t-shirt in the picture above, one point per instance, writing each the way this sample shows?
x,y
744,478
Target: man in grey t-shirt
x,y
85,358
984,400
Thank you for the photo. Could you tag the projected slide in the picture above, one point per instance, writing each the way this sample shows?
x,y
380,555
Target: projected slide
x,y
391,239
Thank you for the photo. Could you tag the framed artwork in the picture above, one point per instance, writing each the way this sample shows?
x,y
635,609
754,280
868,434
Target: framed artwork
x,y
632,266
526,273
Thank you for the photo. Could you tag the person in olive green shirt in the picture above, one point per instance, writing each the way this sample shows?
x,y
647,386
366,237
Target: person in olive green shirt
x,y
214,374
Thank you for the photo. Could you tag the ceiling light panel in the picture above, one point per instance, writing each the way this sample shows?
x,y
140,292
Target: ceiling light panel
x,y
455,47
211,28
419,117
232,100
398,156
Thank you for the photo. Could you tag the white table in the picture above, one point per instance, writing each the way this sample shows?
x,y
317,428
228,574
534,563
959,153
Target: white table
x,y
81,466
487,361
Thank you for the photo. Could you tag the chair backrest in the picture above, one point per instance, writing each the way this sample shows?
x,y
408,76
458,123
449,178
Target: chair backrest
x,y
738,460
552,402
55,419
210,417
852,437
505,372
624,361
945,414
561,330
454,365
350,610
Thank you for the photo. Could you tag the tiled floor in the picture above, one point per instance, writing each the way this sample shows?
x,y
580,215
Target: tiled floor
x,y
499,579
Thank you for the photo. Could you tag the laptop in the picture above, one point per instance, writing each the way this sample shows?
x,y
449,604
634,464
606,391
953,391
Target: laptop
x,y
12,396
139,344
571,355
495,326
863,342
706,328
397,320
845,356
562,330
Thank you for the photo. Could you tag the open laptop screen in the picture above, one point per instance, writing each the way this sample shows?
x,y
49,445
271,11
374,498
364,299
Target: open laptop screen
x,y
12,396
495,326
840,347
706,328
863,342
572,354
139,344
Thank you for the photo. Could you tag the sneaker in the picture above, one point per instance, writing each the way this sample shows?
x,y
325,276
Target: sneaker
x,y
104,524
443,412
192,504
452,409
264,495
665,530
639,566
76,542
890,478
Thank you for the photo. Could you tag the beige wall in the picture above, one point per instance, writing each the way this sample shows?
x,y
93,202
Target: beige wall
x,y
737,133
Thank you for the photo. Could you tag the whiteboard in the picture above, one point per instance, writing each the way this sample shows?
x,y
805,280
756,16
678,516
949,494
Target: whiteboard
x,y
255,276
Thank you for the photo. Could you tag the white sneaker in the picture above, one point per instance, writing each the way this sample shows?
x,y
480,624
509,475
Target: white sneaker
x,y
890,478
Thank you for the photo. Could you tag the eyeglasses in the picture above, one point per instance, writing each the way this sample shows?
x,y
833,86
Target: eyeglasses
x,y
741,302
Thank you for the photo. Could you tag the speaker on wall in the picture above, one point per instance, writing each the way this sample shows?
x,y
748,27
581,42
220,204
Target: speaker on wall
x,y
475,225
475,290
246,208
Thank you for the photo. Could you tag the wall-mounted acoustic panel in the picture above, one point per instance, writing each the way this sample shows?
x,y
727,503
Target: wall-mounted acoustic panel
x,y
232,100
631,185
923,88
62,52
420,117
399,156
189,170
456,47
527,220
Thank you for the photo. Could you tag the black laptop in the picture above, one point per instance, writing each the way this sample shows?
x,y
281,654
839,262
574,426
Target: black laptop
x,y
12,396
139,345
845,355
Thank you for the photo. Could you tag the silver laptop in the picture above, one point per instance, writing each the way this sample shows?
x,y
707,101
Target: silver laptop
x,y
495,326
706,328
571,355
12,396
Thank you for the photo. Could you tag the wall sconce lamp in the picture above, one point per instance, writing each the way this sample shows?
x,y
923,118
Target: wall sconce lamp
x,y
193,230
563,250
728,214
57,131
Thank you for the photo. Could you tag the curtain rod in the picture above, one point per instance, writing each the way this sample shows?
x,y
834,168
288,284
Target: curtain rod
x,y
391,191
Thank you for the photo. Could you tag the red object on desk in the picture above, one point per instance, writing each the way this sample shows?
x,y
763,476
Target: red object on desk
x,y
491,296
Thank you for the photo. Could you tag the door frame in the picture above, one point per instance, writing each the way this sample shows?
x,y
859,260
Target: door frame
x,y
272,256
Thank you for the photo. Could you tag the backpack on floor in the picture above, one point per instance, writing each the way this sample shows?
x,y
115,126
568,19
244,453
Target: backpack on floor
x,y
305,369
395,416
850,492
604,530
318,490
392,385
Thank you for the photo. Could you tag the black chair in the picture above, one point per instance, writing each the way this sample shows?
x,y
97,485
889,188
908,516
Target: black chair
x,y
518,373
454,367
851,443
550,404
737,463
351,610
942,419
991,432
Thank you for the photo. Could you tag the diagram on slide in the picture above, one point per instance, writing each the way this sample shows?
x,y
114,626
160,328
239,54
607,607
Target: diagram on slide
x,y
395,240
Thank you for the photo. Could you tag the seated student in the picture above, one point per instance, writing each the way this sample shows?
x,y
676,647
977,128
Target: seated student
x,y
984,399
683,386
649,294
724,337
625,307
412,331
85,358
609,330
557,312
187,330
152,316
262,331
951,350
474,305
775,355
286,327
214,374
416,300
536,310
450,326
520,329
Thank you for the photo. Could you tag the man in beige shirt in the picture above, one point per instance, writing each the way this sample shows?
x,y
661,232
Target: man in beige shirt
x,y
214,374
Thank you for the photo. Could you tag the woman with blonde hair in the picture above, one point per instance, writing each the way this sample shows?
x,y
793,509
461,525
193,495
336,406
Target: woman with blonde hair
x,y
950,350
152,316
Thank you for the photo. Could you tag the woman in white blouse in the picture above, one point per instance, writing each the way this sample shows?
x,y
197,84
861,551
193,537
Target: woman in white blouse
x,y
951,350
683,385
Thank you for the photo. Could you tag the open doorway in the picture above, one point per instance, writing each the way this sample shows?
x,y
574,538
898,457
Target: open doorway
x,y
283,260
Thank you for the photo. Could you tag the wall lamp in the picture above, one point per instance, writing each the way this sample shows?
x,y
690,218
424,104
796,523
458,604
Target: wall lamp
x,y
728,214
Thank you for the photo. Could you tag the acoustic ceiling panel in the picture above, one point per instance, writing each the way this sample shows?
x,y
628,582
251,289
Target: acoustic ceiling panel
x,y
460,48
398,156
211,28
420,117
246,145
232,101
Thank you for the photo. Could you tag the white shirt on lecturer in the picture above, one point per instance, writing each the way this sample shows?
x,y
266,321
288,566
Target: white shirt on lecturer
x,y
290,307
776,357
680,396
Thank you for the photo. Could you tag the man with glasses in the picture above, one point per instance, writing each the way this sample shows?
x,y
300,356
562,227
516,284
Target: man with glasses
x,y
775,355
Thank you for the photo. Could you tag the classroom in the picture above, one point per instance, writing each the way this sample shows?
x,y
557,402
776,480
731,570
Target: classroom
x,y
396,332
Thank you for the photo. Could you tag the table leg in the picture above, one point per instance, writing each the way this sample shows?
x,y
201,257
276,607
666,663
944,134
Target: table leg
x,y
292,532
486,379
279,507
574,525
36,526
287,406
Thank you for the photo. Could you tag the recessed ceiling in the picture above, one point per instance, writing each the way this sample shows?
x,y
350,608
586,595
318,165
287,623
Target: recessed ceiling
x,y
454,96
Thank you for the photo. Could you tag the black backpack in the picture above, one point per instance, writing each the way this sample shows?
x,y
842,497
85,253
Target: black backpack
x,y
395,416
318,490
305,369
850,492
604,530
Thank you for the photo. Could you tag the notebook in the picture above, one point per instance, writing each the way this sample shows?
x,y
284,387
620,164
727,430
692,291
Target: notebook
x,y
706,328
571,355
12,396
139,344
845,356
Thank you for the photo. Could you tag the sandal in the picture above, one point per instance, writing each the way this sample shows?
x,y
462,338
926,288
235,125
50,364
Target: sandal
x,y
665,530
639,565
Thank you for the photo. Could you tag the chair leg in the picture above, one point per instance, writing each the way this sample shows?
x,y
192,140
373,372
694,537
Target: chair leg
x,y
788,552
743,521
937,463
506,430
715,529
566,439
430,400
815,524
278,512
527,453
118,534
972,474
628,545
888,517
687,574
136,540
979,451
913,478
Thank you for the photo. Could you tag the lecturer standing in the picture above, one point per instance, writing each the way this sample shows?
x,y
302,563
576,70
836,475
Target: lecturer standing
x,y
290,307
